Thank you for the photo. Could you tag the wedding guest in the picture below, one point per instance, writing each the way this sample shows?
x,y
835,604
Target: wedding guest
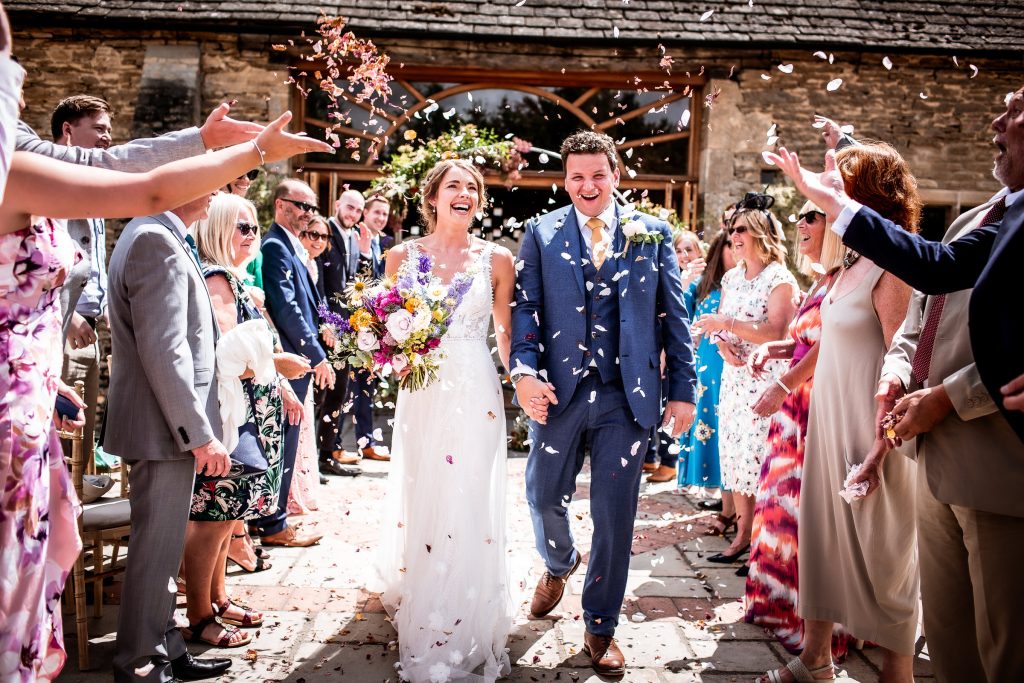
x,y
254,271
41,535
361,387
240,185
699,458
690,253
227,240
292,303
307,477
756,306
771,592
338,264
858,560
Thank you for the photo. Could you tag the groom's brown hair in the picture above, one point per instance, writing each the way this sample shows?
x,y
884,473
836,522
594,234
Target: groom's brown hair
x,y
590,142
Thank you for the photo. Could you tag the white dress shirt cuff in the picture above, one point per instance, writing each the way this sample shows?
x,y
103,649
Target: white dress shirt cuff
x,y
842,222
522,370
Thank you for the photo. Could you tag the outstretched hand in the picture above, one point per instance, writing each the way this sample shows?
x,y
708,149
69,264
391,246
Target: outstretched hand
x,y
277,144
220,130
824,189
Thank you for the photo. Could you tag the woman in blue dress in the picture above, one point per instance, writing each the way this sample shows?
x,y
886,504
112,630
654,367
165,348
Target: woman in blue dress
x,y
698,457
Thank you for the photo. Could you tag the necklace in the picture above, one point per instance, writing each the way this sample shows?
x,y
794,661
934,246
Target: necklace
x,y
849,258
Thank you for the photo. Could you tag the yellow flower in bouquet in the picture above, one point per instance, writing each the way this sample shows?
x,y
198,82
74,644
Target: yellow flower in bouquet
x,y
360,320
412,303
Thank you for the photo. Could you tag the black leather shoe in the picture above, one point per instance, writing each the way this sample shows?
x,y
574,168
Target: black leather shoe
x,y
722,558
339,470
323,480
189,668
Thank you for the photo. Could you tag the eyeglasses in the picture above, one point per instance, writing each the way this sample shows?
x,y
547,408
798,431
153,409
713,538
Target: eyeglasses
x,y
251,175
248,229
314,236
809,216
301,206
738,230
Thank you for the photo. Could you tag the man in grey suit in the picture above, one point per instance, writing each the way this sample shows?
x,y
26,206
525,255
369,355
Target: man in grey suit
x,y
163,401
970,511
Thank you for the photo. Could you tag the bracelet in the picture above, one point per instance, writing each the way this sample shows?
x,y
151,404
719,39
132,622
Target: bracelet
x,y
263,158
778,380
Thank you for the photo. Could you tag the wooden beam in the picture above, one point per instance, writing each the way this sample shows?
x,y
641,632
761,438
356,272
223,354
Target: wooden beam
x,y
412,91
578,102
654,139
640,111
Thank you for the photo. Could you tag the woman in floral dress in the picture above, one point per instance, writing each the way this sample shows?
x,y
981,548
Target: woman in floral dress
x,y
227,241
771,594
757,305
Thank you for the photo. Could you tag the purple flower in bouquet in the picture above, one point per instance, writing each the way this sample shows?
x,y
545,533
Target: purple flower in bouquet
x,y
329,317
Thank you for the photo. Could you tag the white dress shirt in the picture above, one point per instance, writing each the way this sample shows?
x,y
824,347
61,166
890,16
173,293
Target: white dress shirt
x,y
610,224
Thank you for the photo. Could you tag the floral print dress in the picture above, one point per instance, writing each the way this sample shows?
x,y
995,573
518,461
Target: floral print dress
x,y
38,507
743,435
222,500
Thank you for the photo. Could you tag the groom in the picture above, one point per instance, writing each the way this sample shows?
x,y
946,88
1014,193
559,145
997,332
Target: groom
x,y
598,299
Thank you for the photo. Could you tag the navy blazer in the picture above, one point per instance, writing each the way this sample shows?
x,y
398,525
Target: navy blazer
x,y
292,299
989,259
548,322
336,266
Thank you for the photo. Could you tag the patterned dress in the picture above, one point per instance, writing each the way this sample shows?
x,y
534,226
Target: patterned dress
x,y
773,579
223,500
38,507
698,459
743,443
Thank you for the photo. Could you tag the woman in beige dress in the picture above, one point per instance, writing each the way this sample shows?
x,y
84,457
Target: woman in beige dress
x,y
858,561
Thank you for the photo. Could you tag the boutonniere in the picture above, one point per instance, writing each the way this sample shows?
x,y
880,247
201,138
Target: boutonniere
x,y
636,232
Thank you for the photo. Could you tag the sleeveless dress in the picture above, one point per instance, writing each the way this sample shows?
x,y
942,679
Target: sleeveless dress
x,y
771,595
743,435
698,458
858,563
38,508
442,564
223,500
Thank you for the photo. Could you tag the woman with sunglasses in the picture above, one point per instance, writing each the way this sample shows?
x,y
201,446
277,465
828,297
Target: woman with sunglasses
x,y
227,240
316,238
771,594
757,305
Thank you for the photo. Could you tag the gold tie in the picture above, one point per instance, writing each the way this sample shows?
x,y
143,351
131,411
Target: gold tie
x,y
599,241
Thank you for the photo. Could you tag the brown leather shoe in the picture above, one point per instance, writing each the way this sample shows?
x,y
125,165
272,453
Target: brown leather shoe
x,y
376,453
605,655
650,466
290,538
550,589
345,458
663,473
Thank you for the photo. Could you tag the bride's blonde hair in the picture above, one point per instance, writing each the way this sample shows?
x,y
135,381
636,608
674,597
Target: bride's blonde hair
x,y
432,183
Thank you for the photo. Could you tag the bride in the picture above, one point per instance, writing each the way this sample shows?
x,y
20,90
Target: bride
x,y
442,562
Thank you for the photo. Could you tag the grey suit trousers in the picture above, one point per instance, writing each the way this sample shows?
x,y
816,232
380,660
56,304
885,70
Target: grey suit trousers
x,y
161,492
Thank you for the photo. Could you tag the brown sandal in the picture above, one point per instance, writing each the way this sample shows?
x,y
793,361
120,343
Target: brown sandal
x,y
721,525
250,618
194,633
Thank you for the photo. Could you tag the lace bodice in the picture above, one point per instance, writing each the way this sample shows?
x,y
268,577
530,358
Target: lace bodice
x,y
472,318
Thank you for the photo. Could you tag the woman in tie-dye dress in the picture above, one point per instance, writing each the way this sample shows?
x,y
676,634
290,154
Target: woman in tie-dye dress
x,y
771,592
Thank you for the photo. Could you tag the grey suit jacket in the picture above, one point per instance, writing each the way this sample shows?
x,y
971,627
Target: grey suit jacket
x,y
972,457
163,393
137,156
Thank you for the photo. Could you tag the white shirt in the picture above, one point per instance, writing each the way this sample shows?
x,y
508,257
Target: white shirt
x,y
852,206
300,250
610,224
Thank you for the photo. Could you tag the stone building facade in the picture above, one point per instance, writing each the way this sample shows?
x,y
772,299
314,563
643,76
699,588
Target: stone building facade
x,y
928,77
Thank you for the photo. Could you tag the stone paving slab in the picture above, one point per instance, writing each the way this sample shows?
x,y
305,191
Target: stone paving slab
x,y
682,618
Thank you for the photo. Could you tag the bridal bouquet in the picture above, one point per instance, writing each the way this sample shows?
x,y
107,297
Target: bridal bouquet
x,y
395,324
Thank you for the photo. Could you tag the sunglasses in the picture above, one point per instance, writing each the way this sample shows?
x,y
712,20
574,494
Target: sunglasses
x,y
248,229
738,230
301,206
314,236
809,216
251,175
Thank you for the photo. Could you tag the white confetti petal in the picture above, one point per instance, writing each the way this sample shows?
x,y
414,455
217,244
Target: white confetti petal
x,y
974,70
834,84
887,63
634,448
786,68
707,15
820,55
624,462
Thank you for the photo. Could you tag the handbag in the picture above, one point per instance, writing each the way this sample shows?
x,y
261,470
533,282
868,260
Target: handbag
x,y
248,459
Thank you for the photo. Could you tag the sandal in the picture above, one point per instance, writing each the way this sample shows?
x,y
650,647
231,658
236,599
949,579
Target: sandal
x,y
249,558
194,633
250,618
721,525
801,674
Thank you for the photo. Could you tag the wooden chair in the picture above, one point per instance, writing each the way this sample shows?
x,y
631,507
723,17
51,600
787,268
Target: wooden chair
x,y
105,521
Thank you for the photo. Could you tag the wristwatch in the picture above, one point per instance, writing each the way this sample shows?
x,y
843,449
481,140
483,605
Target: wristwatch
x,y
515,378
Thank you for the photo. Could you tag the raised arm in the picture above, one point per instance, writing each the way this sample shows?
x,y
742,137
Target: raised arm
x,y
45,187
504,273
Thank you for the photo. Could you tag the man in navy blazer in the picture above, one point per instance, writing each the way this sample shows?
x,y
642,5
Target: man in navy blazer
x,y
292,302
594,282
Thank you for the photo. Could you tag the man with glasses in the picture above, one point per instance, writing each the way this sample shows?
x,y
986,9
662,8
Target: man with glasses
x,y
292,301
339,264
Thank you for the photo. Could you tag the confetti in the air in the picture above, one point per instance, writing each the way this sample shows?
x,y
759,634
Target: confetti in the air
x,y
887,63
834,84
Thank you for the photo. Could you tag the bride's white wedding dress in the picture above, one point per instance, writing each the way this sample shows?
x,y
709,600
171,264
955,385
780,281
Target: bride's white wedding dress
x,y
442,566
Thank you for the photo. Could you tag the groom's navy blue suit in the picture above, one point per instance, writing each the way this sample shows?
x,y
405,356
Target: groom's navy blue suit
x,y
595,335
